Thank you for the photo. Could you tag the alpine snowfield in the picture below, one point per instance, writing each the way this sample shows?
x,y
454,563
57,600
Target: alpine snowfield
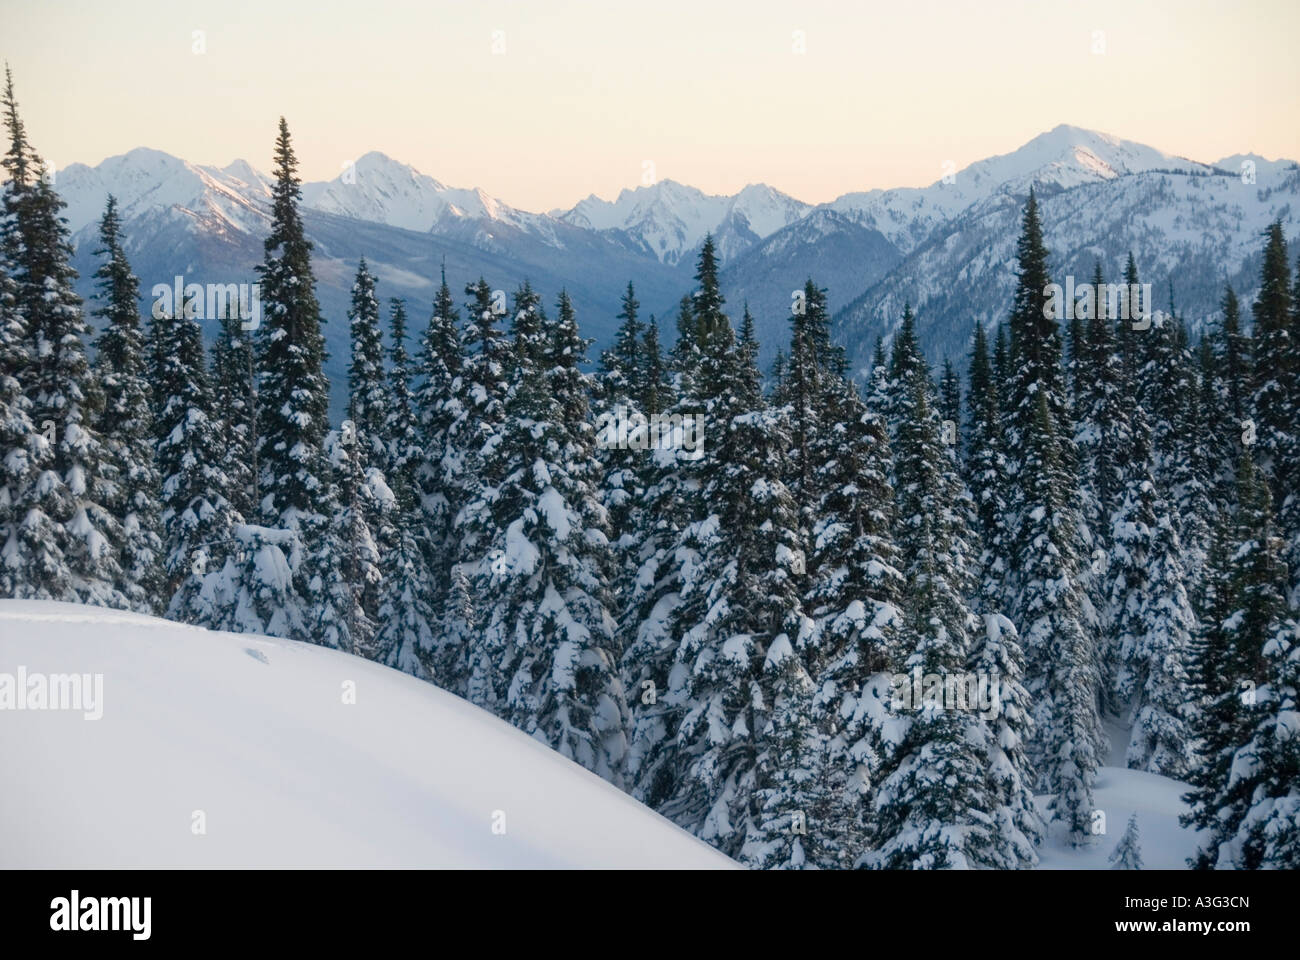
x,y
225,750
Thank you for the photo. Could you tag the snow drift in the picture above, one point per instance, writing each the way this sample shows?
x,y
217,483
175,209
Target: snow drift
x,y
219,749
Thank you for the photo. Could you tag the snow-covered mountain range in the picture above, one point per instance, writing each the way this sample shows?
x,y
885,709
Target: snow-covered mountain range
x,y
669,220
946,248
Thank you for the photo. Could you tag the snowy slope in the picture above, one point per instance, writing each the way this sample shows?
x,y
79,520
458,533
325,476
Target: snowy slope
x,y
254,732
1119,793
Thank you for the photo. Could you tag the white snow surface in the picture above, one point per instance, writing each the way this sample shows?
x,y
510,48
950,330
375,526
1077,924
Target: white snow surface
x,y
254,732
1118,793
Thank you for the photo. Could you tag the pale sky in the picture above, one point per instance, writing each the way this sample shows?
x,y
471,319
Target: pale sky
x,y
714,94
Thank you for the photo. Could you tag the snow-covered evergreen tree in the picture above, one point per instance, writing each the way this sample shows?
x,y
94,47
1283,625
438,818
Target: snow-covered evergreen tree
x,y
197,516
1276,391
1127,854
855,588
406,617
126,421
738,563
1017,825
347,587
1243,630
293,393
986,473
20,445
367,384
1049,595
235,408
1152,617
438,405
68,543
620,398
933,808
793,827
543,655
1267,768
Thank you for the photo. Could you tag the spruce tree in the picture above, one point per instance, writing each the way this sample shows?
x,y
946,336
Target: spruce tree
x,y
790,827
619,402
655,391
649,624
950,395
802,388
349,583
1062,659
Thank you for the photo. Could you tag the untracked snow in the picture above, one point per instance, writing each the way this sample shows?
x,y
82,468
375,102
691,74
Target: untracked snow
x,y
252,738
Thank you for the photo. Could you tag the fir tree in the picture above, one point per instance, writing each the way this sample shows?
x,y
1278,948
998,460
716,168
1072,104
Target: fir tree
x,y
126,421
854,596
235,407
621,391
407,618
1274,401
950,395
986,471
1267,768
544,655
293,393
1244,609
621,365
1049,594
367,384
1017,825
20,446
349,583
933,809
806,370
1063,675
1128,852
197,517
655,392
738,602
68,543
906,363
1152,617
438,407
790,829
